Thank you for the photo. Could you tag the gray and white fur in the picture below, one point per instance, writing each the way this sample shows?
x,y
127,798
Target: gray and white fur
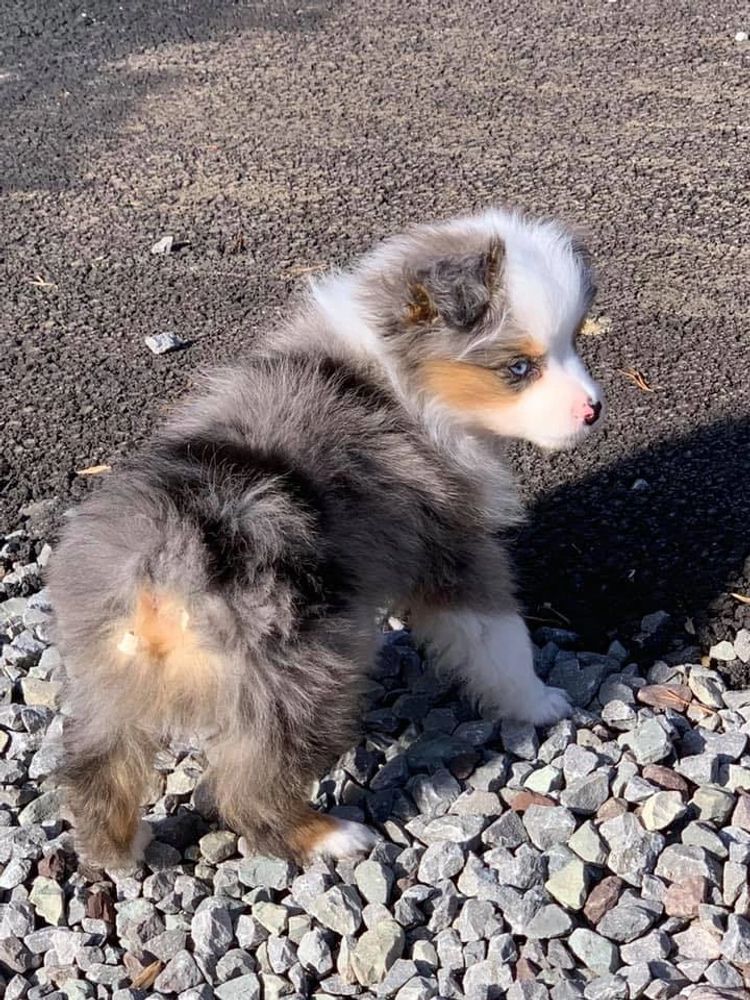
x,y
226,580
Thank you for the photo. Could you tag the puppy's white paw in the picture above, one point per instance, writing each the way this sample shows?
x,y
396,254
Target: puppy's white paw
x,y
346,840
549,705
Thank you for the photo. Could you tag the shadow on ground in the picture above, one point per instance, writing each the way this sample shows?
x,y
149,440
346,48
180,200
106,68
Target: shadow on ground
x,y
664,529
60,94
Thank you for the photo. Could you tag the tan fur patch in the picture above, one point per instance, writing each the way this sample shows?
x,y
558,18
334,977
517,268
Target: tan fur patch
x,y
311,829
471,387
159,633
421,309
464,386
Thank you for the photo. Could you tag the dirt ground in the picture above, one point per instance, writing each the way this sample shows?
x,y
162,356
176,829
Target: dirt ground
x,y
278,138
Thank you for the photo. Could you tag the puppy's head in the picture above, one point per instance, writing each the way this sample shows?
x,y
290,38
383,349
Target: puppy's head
x,y
487,310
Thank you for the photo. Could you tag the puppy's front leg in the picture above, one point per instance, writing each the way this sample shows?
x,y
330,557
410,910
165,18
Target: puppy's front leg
x,y
493,656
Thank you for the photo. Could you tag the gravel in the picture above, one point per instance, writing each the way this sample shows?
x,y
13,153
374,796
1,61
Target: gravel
x,y
606,857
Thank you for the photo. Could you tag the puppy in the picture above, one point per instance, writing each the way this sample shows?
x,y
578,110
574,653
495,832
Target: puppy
x,y
226,581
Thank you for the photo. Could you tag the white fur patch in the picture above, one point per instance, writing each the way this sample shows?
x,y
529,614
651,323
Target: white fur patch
x,y
493,656
336,297
346,841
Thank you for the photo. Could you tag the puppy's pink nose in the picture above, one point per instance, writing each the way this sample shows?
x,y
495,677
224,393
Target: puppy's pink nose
x,y
591,412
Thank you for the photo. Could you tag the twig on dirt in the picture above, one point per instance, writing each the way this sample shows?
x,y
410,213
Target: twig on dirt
x,y
637,379
559,614
145,979
39,282
299,269
94,470
742,598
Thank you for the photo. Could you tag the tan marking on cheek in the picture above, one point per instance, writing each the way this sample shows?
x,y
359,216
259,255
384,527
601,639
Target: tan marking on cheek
x,y
466,387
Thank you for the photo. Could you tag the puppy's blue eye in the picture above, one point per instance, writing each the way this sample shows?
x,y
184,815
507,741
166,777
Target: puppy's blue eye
x,y
520,368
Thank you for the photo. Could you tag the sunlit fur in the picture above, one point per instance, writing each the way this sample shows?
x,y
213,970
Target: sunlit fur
x,y
225,581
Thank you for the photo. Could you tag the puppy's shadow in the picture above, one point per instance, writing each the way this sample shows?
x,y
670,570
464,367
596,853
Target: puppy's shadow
x,y
665,528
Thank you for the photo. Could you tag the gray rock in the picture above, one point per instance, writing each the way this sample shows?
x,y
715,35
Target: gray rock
x,y
393,774
548,825
596,953
681,861
492,775
281,954
272,916
522,870
520,739
625,922
650,743
477,803
235,962
702,835
339,909
14,955
726,746
425,954
218,846
588,844
374,881
568,885
735,945
484,976
307,887
44,808
701,769
399,974
314,953
507,831
462,830
581,682
578,762
723,650
243,988
418,988
434,793
376,951
211,929
662,810
477,920
632,850
16,871
270,873
180,974
587,794
722,974
440,861
713,804
607,988
742,645
550,921
161,343
545,779
449,949
654,946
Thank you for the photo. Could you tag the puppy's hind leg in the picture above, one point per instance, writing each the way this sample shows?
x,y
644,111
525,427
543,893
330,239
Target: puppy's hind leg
x,y
104,777
262,794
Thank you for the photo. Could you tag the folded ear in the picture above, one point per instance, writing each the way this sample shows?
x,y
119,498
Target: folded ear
x,y
457,289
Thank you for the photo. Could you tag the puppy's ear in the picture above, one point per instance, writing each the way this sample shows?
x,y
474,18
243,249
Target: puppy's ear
x,y
458,289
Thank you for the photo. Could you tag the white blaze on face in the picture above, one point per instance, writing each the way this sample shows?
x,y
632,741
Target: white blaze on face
x,y
550,412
